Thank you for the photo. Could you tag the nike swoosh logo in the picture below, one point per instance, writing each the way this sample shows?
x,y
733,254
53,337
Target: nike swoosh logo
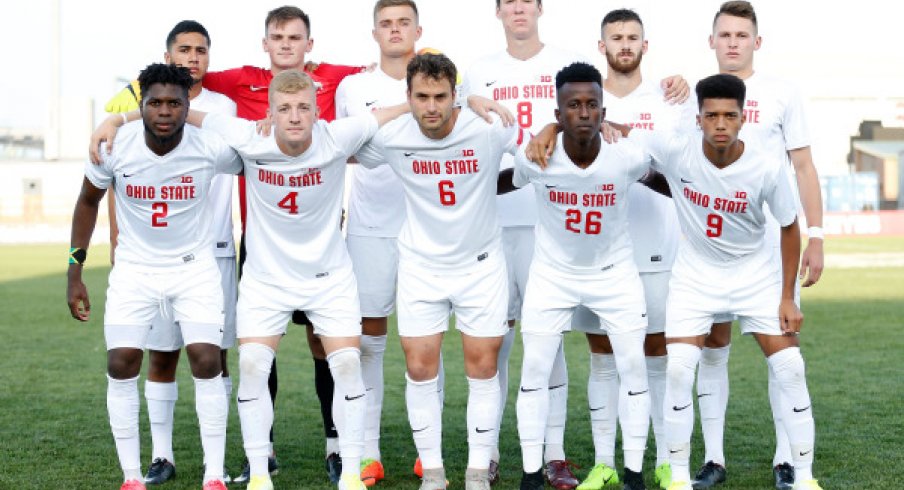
x,y
635,393
353,398
678,409
550,186
422,429
802,453
126,176
247,400
685,181
526,390
798,410
643,315
597,408
368,104
491,83
482,431
256,88
558,386
675,451
409,153
701,395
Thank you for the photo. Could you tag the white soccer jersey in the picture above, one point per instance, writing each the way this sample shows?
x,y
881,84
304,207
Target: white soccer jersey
x,y
583,219
163,206
652,219
221,187
292,233
450,186
528,89
721,210
376,204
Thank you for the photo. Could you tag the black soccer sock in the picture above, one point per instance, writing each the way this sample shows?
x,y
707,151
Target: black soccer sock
x,y
273,385
323,383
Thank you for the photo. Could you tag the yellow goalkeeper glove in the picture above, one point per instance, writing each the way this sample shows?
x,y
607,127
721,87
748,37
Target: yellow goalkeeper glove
x,y
126,100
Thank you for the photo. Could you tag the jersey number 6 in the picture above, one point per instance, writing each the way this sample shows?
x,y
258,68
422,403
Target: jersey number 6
x,y
446,195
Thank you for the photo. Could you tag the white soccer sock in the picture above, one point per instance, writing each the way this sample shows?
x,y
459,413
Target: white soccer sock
x,y
656,368
425,417
634,395
213,412
712,396
372,349
782,444
161,399
533,396
678,415
227,386
441,385
483,405
558,408
797,412
349,406
254,405
123,404
602,397
502,369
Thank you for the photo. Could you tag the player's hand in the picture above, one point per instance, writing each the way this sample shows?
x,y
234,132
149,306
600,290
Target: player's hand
x,y
104,134
811,263
676,89
790,317
126,100
370,68
610,134
540,147
264,126
77,295
483,106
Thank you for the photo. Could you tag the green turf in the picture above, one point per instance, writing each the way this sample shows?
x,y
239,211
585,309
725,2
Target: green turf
x,y
54,430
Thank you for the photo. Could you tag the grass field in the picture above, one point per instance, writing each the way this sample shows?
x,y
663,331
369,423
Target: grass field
x,y
54,431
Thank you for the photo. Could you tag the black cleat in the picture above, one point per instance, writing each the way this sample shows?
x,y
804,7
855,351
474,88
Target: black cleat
x,y
633,480
493,472
272,467
160,471
334,467
784,476
710,475
532,481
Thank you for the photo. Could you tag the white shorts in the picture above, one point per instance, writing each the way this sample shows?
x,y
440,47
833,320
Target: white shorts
x,y
518,243
614,296
375,261
330,302
727,317
165,334
477,295
188,295
656,293
701,292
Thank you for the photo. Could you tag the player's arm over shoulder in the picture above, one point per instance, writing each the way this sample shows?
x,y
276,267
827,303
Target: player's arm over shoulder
x,y
236,132
226,159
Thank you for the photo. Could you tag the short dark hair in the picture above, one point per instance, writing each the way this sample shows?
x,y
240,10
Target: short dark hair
x,y
281,15
578,72
186,27
382,4
435,66
721,86
620,15
163,73
737,8
539,2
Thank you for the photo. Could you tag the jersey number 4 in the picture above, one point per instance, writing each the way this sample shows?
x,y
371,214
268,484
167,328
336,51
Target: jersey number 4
x,y
290,203
592,222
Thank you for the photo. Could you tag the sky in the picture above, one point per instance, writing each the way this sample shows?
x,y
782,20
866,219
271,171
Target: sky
x,y
831,51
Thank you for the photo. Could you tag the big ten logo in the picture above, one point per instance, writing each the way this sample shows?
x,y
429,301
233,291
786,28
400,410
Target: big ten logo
x,y
467,153
740,195
646,116
545,78
752,103
186,179
605,187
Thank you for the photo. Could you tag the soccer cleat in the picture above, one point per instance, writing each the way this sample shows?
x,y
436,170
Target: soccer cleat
x,y
160,471
599,476
260,482
532,481
493,472
245,476
433,479
371,472
633,480
663,475
710,475
132,485
784,476
476,479
680,485
214,485
333,465
351,482
225,476
418,469
807,485
559,475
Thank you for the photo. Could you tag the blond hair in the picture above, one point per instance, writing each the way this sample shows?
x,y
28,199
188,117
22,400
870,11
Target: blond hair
x,y
289,82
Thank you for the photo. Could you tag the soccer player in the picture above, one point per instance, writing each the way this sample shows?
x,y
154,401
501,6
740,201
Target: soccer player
x,y
188,45
450,257
583,257
774,115
161,172
654,230
724,265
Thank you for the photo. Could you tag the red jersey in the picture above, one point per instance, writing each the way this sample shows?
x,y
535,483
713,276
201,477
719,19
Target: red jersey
x,y
247,87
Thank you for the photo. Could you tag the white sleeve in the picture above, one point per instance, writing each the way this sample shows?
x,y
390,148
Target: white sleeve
x,y
372,154
657,148
794,122
510,138
236,132
227,160
351,133
524,169
341,99
100,176
780,196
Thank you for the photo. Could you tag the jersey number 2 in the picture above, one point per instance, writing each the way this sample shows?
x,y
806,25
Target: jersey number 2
x,y
161,209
